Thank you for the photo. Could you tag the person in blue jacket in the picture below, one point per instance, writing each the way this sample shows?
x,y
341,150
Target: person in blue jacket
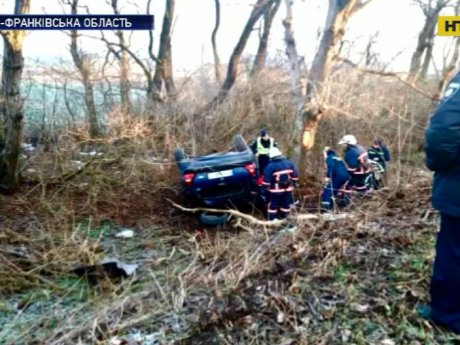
x,y
442,150
379,154
357,162
337,177
280,179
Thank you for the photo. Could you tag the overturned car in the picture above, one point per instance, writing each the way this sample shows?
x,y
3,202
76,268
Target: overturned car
x,y
219,180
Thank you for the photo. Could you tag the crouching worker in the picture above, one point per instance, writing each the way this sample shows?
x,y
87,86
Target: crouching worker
x,y
335,192
379,155
280,179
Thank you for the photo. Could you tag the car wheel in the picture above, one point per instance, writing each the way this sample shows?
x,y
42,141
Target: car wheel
x,y
213,219
179,154
240,143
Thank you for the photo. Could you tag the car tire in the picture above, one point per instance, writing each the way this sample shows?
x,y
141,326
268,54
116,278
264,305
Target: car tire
x,y
240,144
213,219
179,154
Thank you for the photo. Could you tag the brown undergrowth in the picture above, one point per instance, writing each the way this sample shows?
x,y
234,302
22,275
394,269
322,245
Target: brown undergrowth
x,y
354,281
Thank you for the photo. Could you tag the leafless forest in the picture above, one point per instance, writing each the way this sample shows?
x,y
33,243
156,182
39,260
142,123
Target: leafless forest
x,y
86,152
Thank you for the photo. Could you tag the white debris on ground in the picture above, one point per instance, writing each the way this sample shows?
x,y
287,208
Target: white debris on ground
x,y
27,147
79,164
125,233
165,335
127,268
92,153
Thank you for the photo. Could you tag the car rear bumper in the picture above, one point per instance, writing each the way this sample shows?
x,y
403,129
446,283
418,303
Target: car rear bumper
x,y
218,197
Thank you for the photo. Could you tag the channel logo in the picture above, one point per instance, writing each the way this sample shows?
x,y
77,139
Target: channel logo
x,y
449,26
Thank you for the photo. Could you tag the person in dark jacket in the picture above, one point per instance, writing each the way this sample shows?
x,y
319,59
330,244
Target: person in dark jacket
x,y
379,154
280,179
261,148
337,177
442,150
356,160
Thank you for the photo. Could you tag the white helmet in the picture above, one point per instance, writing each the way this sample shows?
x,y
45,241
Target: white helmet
x,y
275,152
348,139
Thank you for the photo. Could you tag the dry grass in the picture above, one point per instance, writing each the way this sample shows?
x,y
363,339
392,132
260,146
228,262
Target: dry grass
x,y
354,281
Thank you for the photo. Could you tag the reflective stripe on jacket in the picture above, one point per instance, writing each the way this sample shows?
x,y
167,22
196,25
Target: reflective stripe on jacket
x,y
280,175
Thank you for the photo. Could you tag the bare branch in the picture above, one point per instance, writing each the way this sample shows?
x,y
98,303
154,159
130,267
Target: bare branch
x,y
142,65
214,43
360,5
151,53
390,74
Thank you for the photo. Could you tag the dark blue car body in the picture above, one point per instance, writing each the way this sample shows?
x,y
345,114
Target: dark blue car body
x,y
219,179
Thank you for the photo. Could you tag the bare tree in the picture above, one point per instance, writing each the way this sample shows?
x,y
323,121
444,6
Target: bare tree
x,y
123,59
144,66
339,12
83,63
12,108
232,70
214,42
298,91
162,76
261,56
425,43
163,68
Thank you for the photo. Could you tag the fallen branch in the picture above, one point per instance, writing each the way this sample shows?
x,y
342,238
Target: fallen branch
x,y
235,213
266,223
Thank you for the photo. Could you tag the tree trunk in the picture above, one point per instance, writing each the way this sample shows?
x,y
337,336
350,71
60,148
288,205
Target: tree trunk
x,y
163,68
123,58
232,70
339,12
298,93
12,107
125,85
261,56
83,65
427,59
425,40
214,43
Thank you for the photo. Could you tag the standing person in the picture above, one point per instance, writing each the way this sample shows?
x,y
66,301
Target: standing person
x,y
442,149
379,154
280,178
357,162
337,177
261,148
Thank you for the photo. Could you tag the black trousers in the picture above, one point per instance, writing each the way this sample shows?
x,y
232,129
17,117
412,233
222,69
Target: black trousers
x,y
445,282
263,162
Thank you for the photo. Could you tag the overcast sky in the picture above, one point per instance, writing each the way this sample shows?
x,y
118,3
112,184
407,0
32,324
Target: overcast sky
x,y
397,21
